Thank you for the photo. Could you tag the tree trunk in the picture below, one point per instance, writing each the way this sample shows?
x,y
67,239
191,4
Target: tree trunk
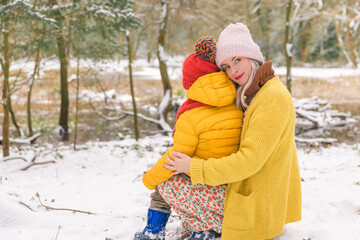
x,y
68,48
5,67
77,92
340,40
64,109
305,37
288,44
350,44
136,128
162,59
13,118
264,21
247,13
120,40
28,104
61,43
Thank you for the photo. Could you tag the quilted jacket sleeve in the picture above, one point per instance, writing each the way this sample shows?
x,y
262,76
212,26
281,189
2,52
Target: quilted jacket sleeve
x,y
185,141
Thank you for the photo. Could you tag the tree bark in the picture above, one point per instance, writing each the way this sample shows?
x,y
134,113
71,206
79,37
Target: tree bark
x,y
13,118
5,67
61,44
350,43
162,58
305,37
340,40
288,44
28,104
64,109
136,128
68,48
77,92
264,21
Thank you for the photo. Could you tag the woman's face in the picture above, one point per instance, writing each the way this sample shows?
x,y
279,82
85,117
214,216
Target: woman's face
x,y
238,69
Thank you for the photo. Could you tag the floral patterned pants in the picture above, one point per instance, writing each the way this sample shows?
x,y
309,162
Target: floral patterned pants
x,y
201,207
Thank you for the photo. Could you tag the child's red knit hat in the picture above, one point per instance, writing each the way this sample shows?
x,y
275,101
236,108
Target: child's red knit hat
x,y
201,62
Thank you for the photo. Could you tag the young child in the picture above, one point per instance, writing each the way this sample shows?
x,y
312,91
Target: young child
x,y
208,125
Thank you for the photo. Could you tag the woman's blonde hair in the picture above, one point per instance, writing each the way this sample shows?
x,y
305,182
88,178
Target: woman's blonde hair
x,y
240,92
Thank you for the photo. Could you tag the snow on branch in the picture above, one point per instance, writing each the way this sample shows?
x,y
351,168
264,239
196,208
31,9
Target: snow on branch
x,y
288,49
164,103
315,141
31,162
313,114
162,54
25,9
162,123
29,140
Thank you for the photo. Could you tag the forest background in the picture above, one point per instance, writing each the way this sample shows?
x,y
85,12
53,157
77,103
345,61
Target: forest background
x,y
290,33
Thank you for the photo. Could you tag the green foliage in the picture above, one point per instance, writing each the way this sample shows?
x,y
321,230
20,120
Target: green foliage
x,y
23,12
44,126
96,24
325,47
180,92
59,156
98,27
119,136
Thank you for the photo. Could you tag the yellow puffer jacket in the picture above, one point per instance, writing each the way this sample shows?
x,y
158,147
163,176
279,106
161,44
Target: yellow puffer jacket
x,y
206,131
264,187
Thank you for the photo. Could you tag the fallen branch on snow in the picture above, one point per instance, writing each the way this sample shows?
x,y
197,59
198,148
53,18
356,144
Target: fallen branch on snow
x,y
8,158
313,113
58,233
32,161
21,203
61,209
20,141
138,176
315,140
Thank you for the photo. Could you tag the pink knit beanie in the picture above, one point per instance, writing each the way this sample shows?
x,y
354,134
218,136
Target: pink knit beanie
x,y
236,40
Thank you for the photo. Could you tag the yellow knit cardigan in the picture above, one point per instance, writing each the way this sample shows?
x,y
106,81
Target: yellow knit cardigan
x,y
206,131
263,177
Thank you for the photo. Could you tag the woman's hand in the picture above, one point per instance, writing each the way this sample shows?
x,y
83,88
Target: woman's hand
x,y
180,164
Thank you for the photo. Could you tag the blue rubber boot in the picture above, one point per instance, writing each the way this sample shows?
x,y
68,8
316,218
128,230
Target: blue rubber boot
x,y
155,227
204,235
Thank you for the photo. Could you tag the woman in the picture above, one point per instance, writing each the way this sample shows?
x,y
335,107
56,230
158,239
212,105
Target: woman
x,y
263,177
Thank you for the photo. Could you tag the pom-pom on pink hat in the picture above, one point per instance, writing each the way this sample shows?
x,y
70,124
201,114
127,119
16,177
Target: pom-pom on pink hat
x,y
235,40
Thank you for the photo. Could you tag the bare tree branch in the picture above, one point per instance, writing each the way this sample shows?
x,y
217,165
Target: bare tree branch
x,y
34,164
21,203
61,209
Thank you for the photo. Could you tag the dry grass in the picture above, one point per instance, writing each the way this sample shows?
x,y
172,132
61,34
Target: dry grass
x,y
338,90
344,90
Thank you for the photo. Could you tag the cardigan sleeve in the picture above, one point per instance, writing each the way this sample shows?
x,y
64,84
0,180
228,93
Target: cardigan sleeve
x,y
265,127
185,140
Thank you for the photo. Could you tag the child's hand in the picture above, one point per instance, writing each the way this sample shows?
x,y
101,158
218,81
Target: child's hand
x,y
180,164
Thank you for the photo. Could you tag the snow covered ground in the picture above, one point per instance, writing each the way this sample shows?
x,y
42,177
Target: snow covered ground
x,y
105,179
